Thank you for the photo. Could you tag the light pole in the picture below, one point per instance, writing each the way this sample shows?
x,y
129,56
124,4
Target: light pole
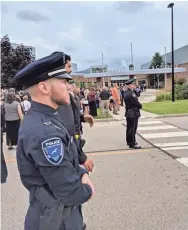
x,y
171,5
132,54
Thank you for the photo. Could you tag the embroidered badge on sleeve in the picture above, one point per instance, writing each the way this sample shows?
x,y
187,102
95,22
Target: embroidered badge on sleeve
x,y
53,150
134,95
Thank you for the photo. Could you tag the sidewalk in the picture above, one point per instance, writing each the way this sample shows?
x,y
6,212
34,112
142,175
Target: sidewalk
x,y
145,97
144,114
121,115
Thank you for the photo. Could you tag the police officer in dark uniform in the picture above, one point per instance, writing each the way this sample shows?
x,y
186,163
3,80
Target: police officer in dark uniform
x,y
47,157
72,119
4,171
132,106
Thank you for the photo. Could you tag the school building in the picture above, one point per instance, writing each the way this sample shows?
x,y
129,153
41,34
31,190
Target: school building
x,y
100,75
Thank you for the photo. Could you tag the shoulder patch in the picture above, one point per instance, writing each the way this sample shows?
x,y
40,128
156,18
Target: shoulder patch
x,y
53,150
134,95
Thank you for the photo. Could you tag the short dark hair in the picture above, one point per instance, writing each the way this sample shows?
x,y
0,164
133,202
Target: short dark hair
x,y
10,97
67,58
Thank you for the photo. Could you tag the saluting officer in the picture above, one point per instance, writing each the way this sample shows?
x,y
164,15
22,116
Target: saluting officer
x,y
132,106
47,157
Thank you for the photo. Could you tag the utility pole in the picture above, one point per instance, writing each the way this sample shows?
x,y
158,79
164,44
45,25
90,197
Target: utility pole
x,y
131,53
171,5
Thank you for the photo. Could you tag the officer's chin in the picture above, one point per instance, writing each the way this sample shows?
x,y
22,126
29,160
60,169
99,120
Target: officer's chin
x,y
67,101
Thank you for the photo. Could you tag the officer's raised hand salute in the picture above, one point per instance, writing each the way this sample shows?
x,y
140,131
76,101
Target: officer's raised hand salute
x,y
46,154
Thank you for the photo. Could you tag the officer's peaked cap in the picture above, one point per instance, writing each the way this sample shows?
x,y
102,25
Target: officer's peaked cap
x,y
130,81
43,69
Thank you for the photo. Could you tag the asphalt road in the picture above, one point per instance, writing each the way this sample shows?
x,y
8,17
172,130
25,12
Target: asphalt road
x,y
181,122
140,190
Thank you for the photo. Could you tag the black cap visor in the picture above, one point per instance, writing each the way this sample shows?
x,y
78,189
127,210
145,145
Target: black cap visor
x,y
64,76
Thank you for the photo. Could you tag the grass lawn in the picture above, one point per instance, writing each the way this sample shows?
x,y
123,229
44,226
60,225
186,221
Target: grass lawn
x,y
99,113
167,107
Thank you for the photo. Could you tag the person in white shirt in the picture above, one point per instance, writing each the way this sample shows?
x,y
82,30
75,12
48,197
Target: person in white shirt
x,y
25,104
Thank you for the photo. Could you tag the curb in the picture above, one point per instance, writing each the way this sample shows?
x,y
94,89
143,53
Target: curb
x,y
171,115
156,117
152,117
105,120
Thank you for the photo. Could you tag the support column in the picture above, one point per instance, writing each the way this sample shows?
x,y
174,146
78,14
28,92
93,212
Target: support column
x,y
168,82
99,82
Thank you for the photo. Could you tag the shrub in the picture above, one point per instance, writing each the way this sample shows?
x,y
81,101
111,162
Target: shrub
x,y
182,91
168,96
160,97
180,81
164,97
183,94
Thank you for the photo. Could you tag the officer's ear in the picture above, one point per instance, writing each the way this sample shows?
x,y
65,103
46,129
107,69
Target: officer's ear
x,y
44,87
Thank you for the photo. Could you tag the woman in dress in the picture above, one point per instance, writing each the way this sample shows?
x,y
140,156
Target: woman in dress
x,y
13,116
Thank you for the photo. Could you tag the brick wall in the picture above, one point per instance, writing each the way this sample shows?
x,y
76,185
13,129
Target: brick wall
x,y
184,74
81,78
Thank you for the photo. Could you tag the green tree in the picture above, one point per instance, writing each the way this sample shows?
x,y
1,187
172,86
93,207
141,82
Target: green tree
x,y
156,63
12,61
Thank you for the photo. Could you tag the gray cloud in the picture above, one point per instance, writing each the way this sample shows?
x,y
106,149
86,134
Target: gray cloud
x,y
93,29
32,16
70,48
132,7
4,8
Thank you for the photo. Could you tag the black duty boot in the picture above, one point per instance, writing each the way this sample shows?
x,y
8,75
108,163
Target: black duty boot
x,y
84,226
135,146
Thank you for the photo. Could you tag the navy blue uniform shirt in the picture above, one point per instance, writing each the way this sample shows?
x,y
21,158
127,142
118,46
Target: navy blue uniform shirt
x,y
47,156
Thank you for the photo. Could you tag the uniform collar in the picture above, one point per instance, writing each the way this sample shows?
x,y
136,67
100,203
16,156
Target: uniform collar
x,y
44,108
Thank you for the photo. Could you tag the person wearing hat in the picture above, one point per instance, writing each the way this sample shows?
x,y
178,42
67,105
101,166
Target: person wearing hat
x,y
47,157
132,106
76,128
72,121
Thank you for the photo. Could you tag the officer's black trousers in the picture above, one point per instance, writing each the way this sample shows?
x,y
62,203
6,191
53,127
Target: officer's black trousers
x,y
132,124
73,222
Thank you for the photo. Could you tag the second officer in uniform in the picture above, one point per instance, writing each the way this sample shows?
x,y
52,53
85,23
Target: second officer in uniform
x,y
47,157
132,114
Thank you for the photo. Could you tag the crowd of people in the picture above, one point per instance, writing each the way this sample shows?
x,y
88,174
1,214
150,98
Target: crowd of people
x,y
15,104
106,98
49,115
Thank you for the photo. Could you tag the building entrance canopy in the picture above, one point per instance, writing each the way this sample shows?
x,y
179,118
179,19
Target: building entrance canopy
x,y
115,73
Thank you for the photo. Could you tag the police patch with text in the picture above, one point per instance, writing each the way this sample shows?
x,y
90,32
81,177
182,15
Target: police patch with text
x,y
53,150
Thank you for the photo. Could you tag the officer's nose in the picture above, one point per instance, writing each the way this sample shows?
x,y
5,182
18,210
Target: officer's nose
x,y
68,86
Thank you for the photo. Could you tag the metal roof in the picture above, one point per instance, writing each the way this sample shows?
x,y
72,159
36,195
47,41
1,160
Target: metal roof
x,y
180,57
135,72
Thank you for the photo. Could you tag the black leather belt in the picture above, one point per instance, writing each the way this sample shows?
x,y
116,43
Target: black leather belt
x,y
47,200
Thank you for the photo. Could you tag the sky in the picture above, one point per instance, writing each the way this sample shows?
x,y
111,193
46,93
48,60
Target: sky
x,y
85,30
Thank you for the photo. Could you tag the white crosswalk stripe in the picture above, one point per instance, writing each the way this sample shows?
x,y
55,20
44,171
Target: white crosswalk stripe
x,y
183,160
156,127
171,144
165,132
163,135
150,122
175,148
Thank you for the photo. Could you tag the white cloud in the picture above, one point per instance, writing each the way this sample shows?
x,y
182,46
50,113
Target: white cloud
x,y
73,34
93,28
124,63
123,30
